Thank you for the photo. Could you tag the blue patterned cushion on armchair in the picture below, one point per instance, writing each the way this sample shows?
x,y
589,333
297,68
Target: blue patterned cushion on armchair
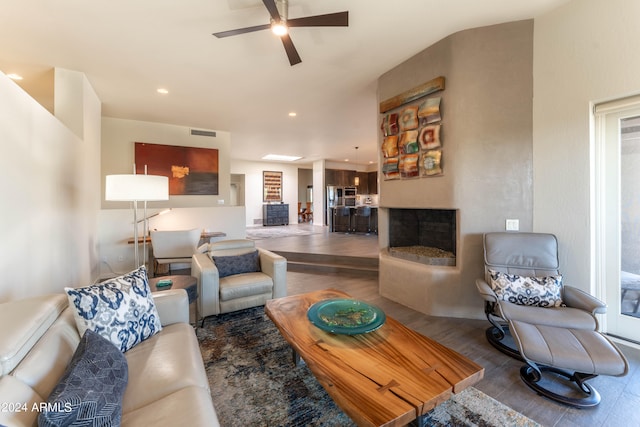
x,y
237,264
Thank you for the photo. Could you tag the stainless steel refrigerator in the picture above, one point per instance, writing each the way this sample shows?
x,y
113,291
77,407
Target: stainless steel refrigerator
x,y
331,203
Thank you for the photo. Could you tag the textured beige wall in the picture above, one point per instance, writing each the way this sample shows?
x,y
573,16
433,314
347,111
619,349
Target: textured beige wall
x,y
487,158
585,52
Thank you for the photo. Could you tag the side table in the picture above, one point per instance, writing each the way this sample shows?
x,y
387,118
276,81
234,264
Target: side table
x,y
188,283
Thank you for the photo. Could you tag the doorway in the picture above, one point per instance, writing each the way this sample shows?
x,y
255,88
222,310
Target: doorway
x,y
305,195
617,214
236,195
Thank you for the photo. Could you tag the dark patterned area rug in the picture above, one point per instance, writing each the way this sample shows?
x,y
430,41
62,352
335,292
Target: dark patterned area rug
x,y
254,383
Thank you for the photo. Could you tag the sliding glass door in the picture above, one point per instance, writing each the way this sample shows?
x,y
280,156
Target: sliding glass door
x,y
617,214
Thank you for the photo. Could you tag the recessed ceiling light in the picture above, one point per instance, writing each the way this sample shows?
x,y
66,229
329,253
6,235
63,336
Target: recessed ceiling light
x,y
14,76
280,157
163,91
293,114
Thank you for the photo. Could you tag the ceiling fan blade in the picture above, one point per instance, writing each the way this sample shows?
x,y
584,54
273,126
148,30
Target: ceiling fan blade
x,y
338,19
292,53
242,31
273,9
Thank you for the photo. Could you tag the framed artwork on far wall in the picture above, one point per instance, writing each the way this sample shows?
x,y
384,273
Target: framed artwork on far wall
x,y
191,170
272,184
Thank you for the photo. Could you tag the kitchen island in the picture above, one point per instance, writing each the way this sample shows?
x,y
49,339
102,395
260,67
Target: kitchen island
x,y
354,219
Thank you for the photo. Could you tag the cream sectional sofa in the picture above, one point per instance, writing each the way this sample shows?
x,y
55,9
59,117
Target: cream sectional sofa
x,y
167,384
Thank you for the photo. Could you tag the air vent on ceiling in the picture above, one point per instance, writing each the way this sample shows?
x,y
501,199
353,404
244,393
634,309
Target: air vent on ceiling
x,y
197,132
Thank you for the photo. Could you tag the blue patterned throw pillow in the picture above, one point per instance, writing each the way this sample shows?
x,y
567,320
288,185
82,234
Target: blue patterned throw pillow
x,y
121,309
91,389
237,264
522,290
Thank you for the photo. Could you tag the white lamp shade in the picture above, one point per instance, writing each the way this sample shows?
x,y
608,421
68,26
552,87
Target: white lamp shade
x,y
136,187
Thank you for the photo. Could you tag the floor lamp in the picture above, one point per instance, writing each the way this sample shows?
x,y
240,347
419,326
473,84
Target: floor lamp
x,y
136,188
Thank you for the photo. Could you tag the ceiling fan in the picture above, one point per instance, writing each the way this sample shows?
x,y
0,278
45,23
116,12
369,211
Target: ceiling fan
x,y
280,24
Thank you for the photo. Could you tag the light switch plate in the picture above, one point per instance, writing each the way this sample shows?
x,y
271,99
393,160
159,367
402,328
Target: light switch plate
x,y
512,225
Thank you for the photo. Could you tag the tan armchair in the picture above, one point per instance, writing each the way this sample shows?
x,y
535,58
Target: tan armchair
x,y
266,277
173,246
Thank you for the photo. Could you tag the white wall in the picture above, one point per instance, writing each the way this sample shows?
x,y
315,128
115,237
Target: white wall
x,y
205,212
117,256
584,52
253,195
319,193
49,188
119,136
252,172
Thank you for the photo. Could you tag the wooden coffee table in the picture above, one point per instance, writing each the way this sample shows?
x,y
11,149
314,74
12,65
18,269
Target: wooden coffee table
x,y
388,377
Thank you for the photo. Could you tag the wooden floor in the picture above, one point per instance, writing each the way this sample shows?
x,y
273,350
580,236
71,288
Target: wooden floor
x,y
620,396
325,243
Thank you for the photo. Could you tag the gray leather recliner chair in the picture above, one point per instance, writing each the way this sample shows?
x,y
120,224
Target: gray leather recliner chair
x,y
535,318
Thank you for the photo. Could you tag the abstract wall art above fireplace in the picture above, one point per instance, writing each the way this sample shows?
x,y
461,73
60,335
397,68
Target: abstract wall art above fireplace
x,y
191,170
411,133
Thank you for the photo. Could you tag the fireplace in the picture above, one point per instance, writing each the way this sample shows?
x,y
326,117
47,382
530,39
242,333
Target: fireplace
x,y
427,236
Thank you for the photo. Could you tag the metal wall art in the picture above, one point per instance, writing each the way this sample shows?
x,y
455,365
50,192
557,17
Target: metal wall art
x,y
411,144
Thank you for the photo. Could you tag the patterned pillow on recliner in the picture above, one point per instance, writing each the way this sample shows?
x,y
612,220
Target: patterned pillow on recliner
x,y
523,290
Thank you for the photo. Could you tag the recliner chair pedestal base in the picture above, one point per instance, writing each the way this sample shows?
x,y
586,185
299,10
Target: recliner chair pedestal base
x,y
531,378
496,335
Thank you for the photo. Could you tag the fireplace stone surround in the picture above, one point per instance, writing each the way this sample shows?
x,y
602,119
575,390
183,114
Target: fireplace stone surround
x,y
424,285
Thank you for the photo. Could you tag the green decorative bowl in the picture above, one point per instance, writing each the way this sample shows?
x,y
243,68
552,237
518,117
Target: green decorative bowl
x,y
346,316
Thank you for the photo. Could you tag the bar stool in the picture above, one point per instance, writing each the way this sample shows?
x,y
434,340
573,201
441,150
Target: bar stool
x,y
363,212
340,214
308,214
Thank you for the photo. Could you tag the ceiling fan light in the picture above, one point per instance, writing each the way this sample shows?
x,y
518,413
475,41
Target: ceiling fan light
x,y
279,29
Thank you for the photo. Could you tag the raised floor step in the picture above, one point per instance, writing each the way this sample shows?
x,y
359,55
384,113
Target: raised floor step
x,y
319,263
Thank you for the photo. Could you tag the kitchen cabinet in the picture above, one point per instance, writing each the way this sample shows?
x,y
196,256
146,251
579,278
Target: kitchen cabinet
x,y
275,214
346,178
363,186
339,177
372,183
330,177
